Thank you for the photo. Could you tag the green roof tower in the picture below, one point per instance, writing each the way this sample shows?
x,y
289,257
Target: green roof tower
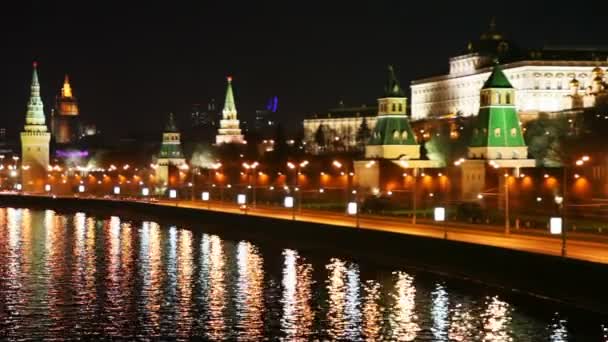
x,y
392,137
171,146
497,131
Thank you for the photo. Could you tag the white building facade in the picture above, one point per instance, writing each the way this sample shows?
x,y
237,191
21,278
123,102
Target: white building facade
x,y
540,86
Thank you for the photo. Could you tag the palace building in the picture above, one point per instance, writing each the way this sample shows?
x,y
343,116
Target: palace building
x,y
336,130
541,77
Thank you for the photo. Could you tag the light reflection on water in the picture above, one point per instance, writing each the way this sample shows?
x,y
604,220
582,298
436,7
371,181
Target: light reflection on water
x,y
79,276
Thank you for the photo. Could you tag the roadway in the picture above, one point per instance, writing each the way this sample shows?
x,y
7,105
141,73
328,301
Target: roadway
x,y
581,246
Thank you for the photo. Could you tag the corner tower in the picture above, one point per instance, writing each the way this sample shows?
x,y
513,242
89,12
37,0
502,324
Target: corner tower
x,y
497,131
35,140
170,154
229,131
392,137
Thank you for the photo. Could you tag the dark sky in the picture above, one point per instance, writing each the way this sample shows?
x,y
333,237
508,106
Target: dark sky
x,y
131,62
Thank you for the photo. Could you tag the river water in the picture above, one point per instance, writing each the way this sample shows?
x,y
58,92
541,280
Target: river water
x,y
69,276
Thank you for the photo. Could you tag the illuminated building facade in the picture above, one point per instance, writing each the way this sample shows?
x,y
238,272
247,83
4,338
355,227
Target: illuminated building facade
x,y
65,121
336,130
593,95
229,131
35,140
541,77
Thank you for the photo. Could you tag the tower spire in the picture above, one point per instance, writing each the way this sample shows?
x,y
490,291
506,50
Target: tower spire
x,y
229,105
393,88
66,90
35,107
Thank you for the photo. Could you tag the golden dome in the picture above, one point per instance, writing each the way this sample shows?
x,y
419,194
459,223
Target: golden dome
x,y
574,82
597,72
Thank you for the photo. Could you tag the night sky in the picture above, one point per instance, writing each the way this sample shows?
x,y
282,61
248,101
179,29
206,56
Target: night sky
x,y
132,63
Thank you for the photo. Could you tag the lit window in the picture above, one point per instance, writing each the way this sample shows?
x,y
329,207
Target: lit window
x,y
395,134
513,132
497,132
394,107
404,135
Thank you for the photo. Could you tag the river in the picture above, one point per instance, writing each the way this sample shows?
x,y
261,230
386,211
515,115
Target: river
x,y
70,276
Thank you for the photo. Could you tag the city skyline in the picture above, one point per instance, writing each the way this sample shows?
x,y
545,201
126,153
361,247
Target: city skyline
x,y
139,64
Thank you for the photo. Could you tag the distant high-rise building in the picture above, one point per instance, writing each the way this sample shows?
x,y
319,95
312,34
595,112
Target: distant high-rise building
x,y
229,131
265,119
204,117
35,140
196,115
65,121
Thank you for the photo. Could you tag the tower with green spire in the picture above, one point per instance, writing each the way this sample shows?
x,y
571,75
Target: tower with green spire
x,y
170,154
392,137
229,131
35,140
497,131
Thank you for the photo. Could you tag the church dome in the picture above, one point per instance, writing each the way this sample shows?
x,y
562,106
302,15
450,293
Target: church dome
x,y
574,83
597,72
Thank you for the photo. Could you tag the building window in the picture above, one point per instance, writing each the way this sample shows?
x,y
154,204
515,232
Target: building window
x,y
513,132
508,95
400,107
497,132
404,135
394,108
395,134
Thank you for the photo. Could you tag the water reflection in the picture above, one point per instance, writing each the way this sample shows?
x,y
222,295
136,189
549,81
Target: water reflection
x,y
497,318
298,315
250,293
403,318
84,277
372,311
440,313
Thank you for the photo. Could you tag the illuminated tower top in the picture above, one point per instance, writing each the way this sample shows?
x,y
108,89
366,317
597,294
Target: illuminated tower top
x,y
35,119
66,90
229,111
66,103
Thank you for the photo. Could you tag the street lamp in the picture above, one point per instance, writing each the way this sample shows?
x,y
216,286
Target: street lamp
x,y
250,167
404,164
297,167
349,175
561,201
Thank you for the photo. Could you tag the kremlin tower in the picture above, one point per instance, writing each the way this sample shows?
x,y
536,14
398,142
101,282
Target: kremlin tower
x,y
35,141
65,124
170,155
229,131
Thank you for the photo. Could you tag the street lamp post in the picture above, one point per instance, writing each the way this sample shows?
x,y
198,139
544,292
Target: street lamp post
x,y
561,201
195,170
250,167
349,175
297,167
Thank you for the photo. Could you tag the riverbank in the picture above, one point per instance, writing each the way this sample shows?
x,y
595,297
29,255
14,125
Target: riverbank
x,y
572,282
